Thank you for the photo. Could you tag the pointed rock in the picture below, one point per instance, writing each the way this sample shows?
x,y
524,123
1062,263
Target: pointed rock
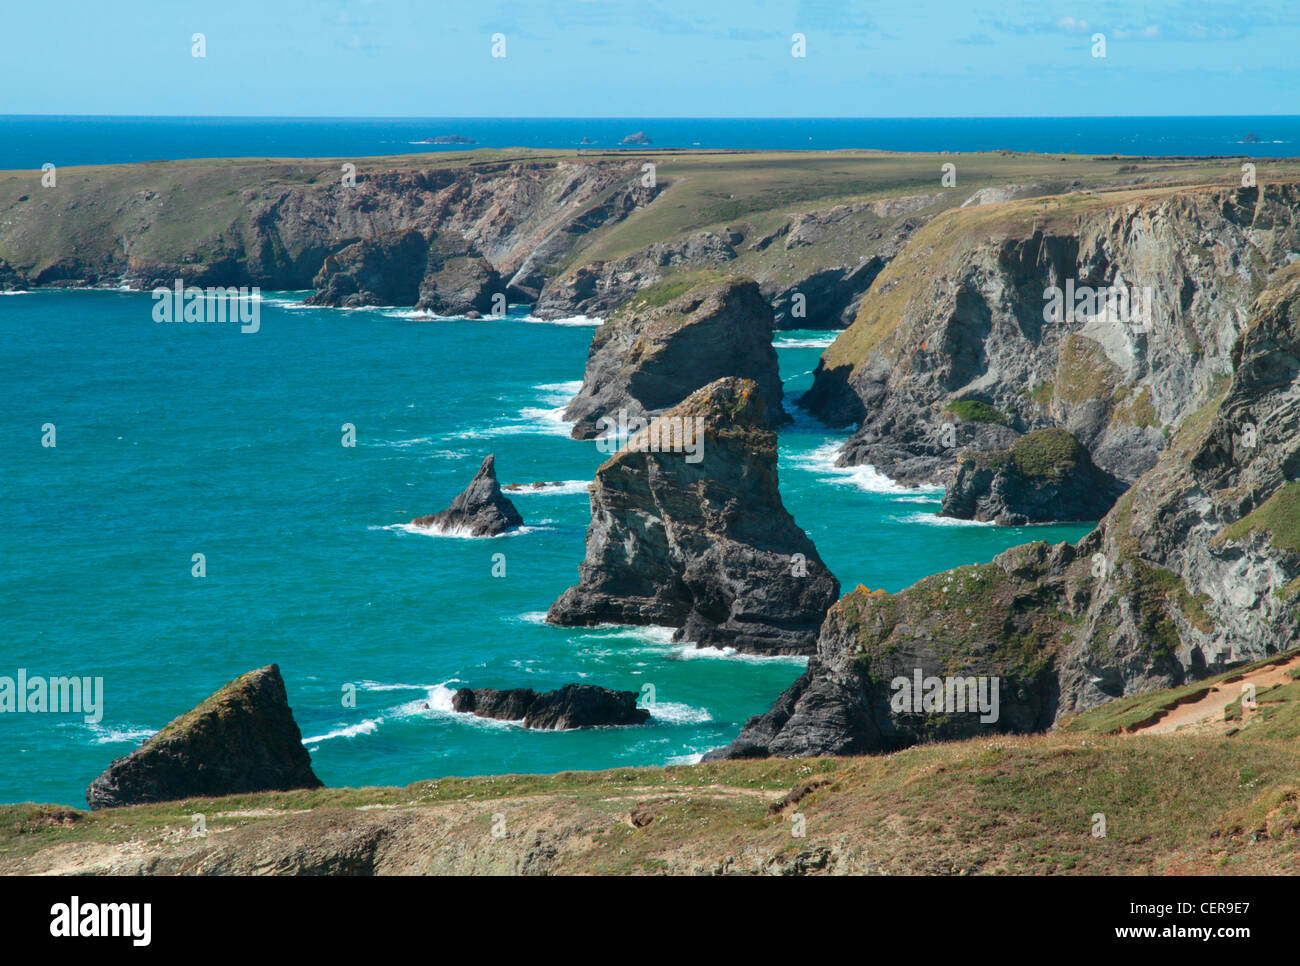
x,y
241,739
481,509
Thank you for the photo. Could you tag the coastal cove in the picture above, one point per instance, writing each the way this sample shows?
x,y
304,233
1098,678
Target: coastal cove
x,y
182,439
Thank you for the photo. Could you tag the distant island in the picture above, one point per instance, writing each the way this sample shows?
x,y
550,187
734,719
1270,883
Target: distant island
x,y
446,139
638,138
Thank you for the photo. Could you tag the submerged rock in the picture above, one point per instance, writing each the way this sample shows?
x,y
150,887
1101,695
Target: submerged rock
x,y
1046,475
701,541
241,739
572,706
651,355
481,509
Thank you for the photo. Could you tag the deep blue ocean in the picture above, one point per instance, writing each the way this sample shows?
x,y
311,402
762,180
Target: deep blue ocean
x,y
30,141
181,439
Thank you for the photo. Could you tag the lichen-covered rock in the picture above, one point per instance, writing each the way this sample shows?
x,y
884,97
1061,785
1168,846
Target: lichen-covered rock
x,y
664,345
1046,475
1195,568
480,510
572,706
241,739
703,546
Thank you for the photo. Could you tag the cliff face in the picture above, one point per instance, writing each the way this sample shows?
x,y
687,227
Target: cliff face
x,y
1197,567
704,546
959,317
654,353
274,224
241,739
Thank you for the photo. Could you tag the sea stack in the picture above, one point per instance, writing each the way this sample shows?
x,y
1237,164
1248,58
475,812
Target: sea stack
x,y
665,344
241,739
698,539
481,510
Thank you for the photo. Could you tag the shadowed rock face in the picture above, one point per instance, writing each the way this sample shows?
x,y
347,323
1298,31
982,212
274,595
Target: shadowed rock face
x,y
572,706
432,271
648,357
241,739
1194,570
481,509
1046,475
706,547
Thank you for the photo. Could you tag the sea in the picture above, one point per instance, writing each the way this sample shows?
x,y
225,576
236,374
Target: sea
x,y
172,441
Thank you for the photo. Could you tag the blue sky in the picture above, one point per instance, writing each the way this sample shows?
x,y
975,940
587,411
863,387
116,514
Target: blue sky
x,y
651,58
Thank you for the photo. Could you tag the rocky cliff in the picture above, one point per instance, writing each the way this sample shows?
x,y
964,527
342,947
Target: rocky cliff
x,y
274,224
959,339
1195,568
705,547
667,343
241,739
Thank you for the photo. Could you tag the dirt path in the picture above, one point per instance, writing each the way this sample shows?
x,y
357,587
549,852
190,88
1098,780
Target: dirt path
x,y
1205,714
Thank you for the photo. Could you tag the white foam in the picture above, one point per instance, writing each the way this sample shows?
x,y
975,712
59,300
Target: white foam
x,y
694,759
574,320
105,735
454,533
802,343
532,617
21,291
864,477
560,488
934,520
369,726
673,712
690,652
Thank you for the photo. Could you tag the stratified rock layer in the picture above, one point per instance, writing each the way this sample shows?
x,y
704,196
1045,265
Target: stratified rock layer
x,y
705,547
572,706
480,510
241,739
650,356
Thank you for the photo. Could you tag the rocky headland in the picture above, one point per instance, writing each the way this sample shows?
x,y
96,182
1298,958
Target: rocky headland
x,y
1196,568
704,547
957,345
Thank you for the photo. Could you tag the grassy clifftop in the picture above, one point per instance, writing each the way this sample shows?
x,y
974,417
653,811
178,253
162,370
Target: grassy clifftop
x,y
1172,803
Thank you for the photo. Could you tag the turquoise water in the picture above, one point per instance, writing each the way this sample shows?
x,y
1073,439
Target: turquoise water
x,y
181,439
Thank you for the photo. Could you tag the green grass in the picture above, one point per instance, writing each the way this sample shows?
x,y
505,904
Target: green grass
x,y
1046,453
976,411
1278,516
